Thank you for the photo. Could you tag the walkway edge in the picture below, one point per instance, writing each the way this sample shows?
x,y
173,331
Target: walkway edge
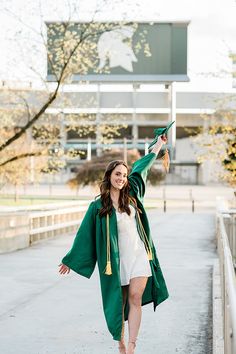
x,y
218,336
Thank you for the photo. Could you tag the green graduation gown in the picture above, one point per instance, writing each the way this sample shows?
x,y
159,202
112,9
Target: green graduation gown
x,y
90,246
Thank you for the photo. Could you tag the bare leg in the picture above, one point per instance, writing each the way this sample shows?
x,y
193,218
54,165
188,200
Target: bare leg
x,y
122,347
136,289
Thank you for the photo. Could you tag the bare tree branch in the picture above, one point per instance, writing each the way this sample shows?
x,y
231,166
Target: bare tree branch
x,y
85,33
47,104
21,156
32,121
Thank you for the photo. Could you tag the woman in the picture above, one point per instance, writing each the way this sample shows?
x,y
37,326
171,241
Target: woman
x,y
115,233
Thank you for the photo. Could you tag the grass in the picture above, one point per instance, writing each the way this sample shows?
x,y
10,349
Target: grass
x,y
34,200
26,200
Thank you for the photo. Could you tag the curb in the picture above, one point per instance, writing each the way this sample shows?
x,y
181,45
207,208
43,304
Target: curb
x,y
218,334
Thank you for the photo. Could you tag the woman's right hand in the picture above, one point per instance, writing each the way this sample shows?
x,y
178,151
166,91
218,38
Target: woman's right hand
x,y
63,269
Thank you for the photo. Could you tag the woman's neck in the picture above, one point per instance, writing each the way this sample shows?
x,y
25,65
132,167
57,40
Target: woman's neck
x,y
115,194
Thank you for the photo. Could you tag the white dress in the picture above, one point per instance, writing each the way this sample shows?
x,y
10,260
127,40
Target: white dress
x,y
133,256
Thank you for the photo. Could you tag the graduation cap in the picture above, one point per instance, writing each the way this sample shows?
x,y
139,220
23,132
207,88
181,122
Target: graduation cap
x,y
158,132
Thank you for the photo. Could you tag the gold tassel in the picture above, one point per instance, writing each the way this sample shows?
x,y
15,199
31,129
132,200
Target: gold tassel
x,y
150,257
166,161
146,241
108,270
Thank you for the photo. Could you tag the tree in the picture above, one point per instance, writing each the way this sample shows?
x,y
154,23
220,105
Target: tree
x,y
91,172
70,49
217,140
230,162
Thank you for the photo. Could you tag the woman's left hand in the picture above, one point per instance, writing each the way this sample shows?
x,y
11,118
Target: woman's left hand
x,y
162,140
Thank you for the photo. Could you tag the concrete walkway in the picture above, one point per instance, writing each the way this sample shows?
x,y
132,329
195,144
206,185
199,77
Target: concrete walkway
x,y
43,312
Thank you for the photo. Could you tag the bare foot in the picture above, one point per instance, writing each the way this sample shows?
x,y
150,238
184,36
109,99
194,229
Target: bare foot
x,y
122,348
131,347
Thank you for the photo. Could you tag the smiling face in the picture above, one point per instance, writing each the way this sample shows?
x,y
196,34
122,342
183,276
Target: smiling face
x,y
119,177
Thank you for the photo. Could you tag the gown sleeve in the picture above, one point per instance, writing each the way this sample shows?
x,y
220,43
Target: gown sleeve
x,y
82,256
138,175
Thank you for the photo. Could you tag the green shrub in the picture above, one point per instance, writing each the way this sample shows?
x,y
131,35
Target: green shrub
x,y
91,172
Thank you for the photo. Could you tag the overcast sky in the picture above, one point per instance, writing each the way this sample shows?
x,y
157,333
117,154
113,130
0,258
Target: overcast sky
x,y
212,31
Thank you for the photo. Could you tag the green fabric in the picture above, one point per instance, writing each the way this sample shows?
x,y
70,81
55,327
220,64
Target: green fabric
x,y
160,131
90,244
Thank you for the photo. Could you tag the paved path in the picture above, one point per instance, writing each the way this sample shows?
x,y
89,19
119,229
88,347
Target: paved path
x,y
43,312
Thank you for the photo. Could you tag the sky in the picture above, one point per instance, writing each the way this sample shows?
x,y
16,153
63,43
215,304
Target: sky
x,y
211,33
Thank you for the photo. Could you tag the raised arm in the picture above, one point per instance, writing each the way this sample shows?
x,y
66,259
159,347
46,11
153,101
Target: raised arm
x,y
138,175
162,140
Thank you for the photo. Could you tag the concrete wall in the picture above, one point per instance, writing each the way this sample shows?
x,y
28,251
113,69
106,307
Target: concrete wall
x,y
14,231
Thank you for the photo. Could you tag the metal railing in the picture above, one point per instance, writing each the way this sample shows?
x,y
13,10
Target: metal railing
x,y
230,227
226,247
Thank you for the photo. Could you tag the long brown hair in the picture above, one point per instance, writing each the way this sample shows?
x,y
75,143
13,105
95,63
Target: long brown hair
x,y
124,199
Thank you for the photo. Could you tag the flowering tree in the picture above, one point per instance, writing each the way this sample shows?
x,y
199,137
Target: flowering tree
x,y
217,141
70,49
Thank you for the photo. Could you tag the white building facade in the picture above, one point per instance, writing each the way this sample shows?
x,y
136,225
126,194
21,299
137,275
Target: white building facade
x,y
140,106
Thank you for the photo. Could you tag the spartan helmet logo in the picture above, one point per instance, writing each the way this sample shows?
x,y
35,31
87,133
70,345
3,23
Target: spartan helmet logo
x,y
112,48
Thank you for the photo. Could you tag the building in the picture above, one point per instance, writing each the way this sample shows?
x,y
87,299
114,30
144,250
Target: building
x,y
143,106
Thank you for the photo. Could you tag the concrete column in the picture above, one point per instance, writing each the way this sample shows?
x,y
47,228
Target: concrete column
x,y
63,143
29,139
89,149
14,233
98,121
172,117
62,130
125,149
134,116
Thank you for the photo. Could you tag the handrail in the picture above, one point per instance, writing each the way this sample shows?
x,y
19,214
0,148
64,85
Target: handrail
x,y
44,224
54,227
228,286
21,229
39,214
43,207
